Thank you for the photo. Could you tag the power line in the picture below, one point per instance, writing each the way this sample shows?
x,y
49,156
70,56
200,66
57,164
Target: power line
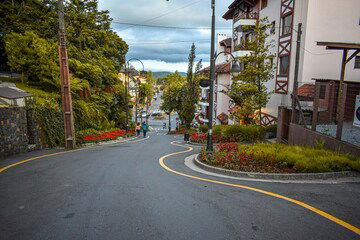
x,y
168,27
160,43
164,14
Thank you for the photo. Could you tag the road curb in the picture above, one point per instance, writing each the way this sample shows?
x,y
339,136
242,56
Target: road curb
x,y
276,176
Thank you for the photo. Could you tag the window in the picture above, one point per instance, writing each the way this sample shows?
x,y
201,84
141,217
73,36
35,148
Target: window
x,y
322,92
286,25
284,65
263,4
272,29
357,62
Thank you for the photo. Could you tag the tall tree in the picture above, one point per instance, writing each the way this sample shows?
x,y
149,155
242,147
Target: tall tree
x,y
248,90
172,94
190,91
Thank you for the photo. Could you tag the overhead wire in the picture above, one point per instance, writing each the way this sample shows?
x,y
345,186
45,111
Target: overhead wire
x,y
164,14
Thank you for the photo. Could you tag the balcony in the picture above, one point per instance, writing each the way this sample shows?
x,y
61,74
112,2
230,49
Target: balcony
x,y
242,49
245,19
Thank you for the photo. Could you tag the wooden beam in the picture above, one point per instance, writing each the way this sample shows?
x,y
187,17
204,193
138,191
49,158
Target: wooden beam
x,y
342,112
315,107
342,76
301,112
352,56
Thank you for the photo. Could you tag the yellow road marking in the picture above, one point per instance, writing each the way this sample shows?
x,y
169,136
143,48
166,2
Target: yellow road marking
x,y
302,204
70,151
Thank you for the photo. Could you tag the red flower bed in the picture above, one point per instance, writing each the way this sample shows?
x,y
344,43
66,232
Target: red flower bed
x,y
198,138
202,138
228,155
105,136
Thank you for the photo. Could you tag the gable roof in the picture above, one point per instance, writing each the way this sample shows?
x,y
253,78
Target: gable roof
x,y
13,93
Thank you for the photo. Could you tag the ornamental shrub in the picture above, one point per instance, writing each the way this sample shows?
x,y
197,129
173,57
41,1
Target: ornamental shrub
x,y
203,128
243,133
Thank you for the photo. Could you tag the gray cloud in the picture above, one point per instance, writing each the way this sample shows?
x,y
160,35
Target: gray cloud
x,y
167,45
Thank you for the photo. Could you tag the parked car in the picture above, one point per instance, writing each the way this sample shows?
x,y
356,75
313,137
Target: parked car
x,y
156,112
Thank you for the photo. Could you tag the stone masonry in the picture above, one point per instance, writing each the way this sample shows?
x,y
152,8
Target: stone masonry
x,y
13,131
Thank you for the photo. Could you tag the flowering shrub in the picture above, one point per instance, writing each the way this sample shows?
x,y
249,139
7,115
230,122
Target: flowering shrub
x,y
105,136
198,138
278,158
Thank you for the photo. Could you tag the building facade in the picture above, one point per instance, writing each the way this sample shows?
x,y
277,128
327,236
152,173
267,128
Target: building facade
x,y
322,20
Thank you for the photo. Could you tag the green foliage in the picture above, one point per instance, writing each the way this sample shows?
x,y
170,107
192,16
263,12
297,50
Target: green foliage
x,y
203,128
244,133
29,34
190,91
271,128
172,94
305,159
248,90
240,133
49,116
35,57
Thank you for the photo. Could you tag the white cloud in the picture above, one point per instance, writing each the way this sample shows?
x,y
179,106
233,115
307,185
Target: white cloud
x,y
158,65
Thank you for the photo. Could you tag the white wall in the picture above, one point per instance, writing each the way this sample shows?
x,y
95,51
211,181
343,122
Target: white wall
x,y
331,21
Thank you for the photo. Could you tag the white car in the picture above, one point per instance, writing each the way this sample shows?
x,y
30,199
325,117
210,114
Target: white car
x,y
156,112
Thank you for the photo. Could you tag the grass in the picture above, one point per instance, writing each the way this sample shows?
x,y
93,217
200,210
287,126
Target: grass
x,y
283,158
305,159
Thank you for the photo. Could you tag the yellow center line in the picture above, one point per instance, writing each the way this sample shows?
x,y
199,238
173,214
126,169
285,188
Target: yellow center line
x,y
302,204
70,151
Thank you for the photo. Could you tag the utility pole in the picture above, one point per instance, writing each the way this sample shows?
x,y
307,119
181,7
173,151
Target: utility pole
x,y
209,146
65,83
126,79
296,74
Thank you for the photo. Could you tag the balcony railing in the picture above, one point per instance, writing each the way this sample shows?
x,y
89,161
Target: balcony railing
x,y
244,45
246,15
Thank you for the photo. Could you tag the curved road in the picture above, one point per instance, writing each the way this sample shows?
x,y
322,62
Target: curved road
x,y
119,191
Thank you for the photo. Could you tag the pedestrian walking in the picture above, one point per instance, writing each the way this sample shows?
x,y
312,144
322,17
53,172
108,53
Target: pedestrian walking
x,y
138,129
144,128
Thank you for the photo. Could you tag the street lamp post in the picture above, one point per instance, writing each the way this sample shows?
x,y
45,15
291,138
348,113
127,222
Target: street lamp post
x,y
235,69
209,145
127,66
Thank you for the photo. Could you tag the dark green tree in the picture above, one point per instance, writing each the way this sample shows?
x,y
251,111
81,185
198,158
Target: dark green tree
x,y
190,91
248,90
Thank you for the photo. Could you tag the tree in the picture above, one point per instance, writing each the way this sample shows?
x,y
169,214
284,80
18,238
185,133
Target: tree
x,y
172,94
190,91
248,90
35,57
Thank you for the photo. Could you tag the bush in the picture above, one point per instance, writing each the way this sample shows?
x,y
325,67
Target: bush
x,y
305,159
280,158
203,128
243,133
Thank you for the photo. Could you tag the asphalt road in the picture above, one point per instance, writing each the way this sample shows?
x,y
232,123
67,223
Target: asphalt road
x,y
120,191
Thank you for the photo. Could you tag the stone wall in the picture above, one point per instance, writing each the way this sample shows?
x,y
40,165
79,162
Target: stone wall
x,y
13,131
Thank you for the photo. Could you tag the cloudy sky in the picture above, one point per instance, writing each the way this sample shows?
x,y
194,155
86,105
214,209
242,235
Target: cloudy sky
x,y
166,49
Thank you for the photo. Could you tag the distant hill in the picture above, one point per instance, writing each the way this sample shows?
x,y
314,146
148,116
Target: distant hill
x,y
164,74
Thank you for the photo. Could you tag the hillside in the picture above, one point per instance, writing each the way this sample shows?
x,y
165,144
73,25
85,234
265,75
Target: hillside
x,y
164,74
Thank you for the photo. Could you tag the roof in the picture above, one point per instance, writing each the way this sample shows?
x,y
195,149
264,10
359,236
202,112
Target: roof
x,y
340,45
230,13
219,68
306,91
13,93
335,80
226,42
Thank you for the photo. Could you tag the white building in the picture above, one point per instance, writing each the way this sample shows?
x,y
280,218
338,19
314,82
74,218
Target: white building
x,y
322,20
222,103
